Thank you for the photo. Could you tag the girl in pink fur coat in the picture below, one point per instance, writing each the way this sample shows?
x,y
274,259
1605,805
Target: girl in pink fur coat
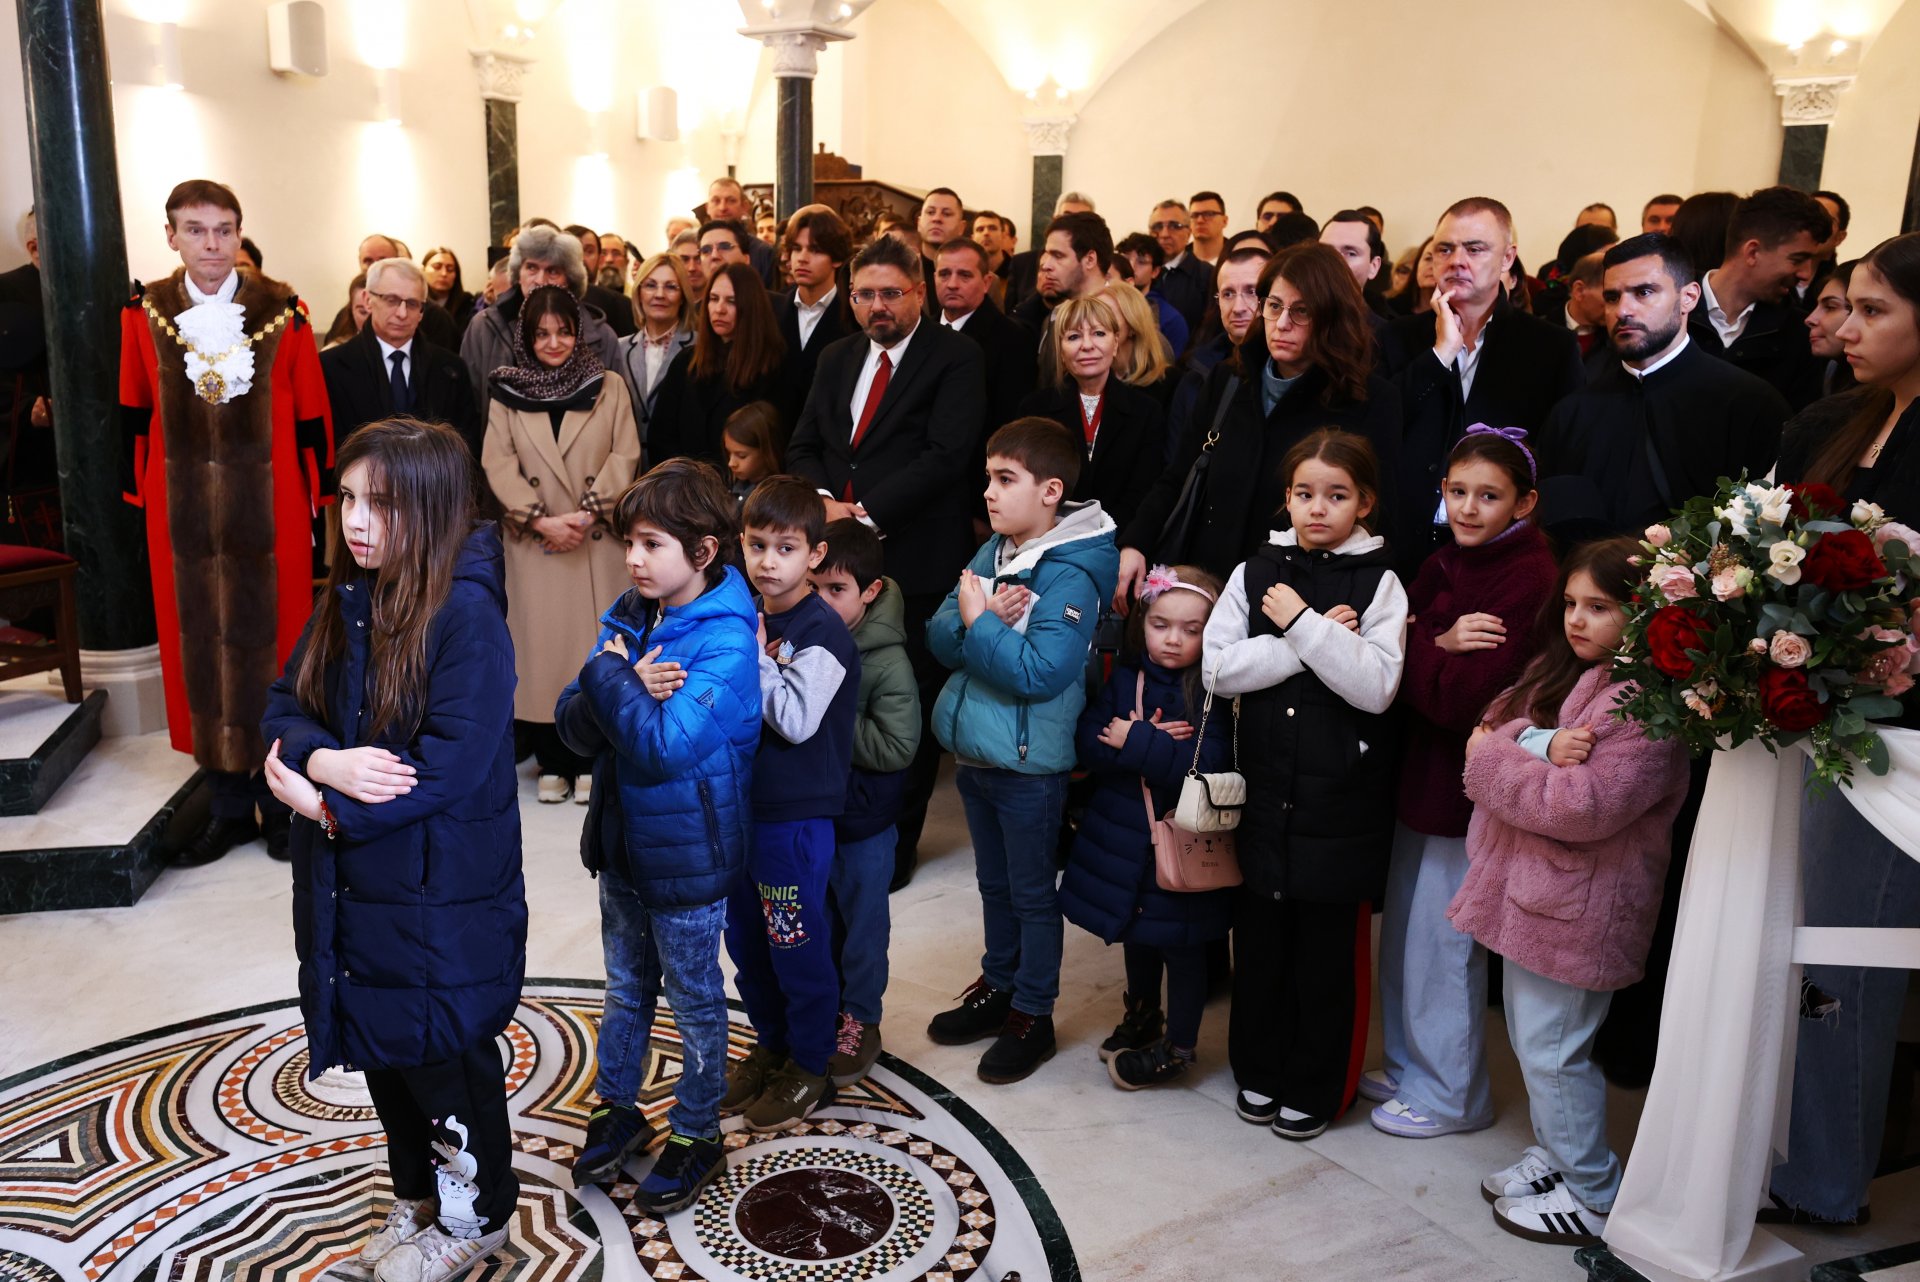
x,y
1567,853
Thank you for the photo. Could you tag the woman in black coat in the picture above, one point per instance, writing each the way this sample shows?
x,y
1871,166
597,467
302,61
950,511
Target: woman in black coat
x,y
737,357
1308,364
409,911
1124,427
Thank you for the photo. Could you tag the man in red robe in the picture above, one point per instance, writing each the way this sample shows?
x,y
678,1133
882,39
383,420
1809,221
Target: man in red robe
x,y
232,445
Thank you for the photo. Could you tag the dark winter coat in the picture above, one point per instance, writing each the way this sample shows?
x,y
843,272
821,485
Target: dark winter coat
x,y
1110,887
411,924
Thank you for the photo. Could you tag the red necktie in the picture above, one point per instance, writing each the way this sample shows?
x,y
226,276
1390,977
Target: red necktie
x,y
881,377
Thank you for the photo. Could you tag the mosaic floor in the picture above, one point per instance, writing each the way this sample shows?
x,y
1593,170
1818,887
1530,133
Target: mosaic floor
x,y
200,1152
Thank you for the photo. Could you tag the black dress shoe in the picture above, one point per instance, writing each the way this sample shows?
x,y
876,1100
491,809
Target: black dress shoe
x,y
905,860
1784,1212
278,830
216,839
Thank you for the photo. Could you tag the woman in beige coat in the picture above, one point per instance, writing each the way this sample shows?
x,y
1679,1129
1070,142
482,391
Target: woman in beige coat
x,y
561,445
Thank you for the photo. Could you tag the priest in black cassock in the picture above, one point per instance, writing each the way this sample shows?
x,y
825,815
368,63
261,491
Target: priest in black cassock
x,y
1664,420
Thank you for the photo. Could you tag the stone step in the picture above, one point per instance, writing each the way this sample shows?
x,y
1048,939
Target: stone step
x,y
104,837
42,739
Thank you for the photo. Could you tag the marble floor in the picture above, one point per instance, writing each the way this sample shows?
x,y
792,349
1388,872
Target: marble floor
x,y
1160,1185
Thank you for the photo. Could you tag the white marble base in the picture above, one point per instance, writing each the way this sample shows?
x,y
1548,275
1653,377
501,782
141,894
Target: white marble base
x,y
136,695
108,798
29,712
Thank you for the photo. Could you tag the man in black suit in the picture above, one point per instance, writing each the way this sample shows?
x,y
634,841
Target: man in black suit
x,y
961,284
889,434
727,199
1472,359
1185,281
816,314
1746,313
436,324
383,371
1076,252
942,217
615,308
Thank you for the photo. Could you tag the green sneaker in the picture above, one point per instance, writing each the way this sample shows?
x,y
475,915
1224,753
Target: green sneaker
x,y
747,1078
791,1095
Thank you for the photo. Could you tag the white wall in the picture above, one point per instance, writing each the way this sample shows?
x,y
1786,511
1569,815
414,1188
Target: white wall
x,y
1872,136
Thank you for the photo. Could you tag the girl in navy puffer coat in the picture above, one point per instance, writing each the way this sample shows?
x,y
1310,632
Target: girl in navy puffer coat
x,y
392,743
1144,728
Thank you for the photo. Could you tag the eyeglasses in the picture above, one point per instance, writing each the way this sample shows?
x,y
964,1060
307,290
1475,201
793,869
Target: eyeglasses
x,y
866,297
1228,297
1276,311
401,305
1157,228
1209,213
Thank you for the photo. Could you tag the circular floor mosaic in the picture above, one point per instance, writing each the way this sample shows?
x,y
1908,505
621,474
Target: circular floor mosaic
x,y
201,1153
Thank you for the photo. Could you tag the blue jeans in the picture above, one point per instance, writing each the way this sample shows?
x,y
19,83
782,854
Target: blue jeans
x,y
780,936
646,949
1852,876
1433,985
861,871
1552,1027
1014,820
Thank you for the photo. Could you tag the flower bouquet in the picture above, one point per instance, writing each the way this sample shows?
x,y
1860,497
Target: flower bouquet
x,y
1774,613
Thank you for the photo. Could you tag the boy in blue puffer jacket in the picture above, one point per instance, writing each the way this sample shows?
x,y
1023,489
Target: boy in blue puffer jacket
x,y
668,706
1018,628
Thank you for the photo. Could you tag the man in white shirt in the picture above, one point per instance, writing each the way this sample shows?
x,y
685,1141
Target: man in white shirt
x,y
1744,317
818,245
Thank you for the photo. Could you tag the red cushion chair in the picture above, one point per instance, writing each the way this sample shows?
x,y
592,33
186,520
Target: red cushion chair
x,y
30,578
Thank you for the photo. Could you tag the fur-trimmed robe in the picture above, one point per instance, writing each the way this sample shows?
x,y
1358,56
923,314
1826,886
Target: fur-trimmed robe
x,y
229,493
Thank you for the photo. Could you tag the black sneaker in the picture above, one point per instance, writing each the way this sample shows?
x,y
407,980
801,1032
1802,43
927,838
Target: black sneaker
x,y
1254,1107
1155,1065
981,1013
614,1133
1291,1124
686,1165
1024,1044
1138,1029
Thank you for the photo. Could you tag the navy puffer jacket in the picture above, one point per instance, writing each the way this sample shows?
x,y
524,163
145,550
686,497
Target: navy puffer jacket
x,y
670,777
411,925
1110,887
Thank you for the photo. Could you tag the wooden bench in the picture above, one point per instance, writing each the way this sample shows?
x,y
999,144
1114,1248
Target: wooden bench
x,y
30,578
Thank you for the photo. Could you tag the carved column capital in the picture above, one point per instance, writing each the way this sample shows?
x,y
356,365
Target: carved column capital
x,y
501,75
1047,135
1809,100
796,54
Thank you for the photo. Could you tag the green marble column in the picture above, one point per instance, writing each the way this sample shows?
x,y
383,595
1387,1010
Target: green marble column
x,y
1048,171
83,273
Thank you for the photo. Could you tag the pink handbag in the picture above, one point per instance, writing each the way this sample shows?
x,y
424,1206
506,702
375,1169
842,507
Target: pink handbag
x,y
1182,860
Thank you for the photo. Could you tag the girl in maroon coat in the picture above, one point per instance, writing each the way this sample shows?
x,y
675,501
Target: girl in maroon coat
x,y
1474,605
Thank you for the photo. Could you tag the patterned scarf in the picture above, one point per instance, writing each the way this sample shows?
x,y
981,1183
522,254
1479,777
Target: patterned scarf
x,y
530,380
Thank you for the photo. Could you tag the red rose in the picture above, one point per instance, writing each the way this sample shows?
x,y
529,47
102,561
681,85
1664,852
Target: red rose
x,y
1788,701
1811,494
1670,634
1843,562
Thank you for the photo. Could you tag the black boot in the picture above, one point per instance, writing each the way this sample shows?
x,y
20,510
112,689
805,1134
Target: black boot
x,y
1024,1044
277,827
1137,1030
981,1012
221,834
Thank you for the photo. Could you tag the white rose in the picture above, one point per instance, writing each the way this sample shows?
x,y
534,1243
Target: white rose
x,y
1786,557
1867,515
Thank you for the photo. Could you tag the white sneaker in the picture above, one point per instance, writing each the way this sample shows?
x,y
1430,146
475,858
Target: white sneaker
x,y
1530,1175
405,1218
583,790
553,789
1556,1218
434,1256
1375,1085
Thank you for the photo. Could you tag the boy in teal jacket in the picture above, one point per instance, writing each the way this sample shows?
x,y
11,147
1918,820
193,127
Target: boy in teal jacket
x,y
1017,629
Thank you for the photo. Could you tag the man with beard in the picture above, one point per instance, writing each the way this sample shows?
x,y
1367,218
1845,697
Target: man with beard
x,y
1747,315
1075,253
1663,422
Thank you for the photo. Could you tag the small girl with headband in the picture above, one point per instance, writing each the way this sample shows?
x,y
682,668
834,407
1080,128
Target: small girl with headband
x,y
1141,728
1474,604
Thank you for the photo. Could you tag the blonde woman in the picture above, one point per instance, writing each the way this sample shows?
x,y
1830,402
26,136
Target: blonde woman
x,y
663,310
1145,358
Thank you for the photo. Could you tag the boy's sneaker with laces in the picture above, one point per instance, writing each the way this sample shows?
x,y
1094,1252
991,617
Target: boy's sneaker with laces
x,y
1024,1044
583,790
435,1255
552,789
981,1013
1554,1217
686,1165
1291,1124
1531,1174
856,1046
614,1133
405,1218
1254,1107
746,1078
1376,1086
791,1095
1397,1117
1138,1029
1155,1065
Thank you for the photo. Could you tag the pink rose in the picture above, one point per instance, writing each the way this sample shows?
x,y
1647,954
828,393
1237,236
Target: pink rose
x,y
1883,667
1675,582
1727,585
1789,650
1885,534
1899,683
1659,535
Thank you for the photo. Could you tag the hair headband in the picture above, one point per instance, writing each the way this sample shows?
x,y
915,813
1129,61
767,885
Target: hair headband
x,y
1517,435
1161,580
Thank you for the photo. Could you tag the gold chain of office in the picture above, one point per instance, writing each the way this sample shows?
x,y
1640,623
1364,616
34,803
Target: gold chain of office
x,y
211,386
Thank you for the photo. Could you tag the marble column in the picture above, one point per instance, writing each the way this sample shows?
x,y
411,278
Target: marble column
x,y
83,274
1807,105
796,61
500,76
1047,140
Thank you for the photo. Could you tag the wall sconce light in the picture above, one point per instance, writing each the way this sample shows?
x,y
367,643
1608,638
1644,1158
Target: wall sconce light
x,y
166,65
297,38
386,89
659,114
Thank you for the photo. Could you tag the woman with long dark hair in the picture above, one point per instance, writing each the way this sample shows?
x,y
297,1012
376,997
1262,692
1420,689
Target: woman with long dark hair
x,y
1830,312
1865,444
445,287
391,744
1307,364
560,447
737,357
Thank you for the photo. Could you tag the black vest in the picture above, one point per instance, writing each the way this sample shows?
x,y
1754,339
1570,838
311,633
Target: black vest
x,y
1319,819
